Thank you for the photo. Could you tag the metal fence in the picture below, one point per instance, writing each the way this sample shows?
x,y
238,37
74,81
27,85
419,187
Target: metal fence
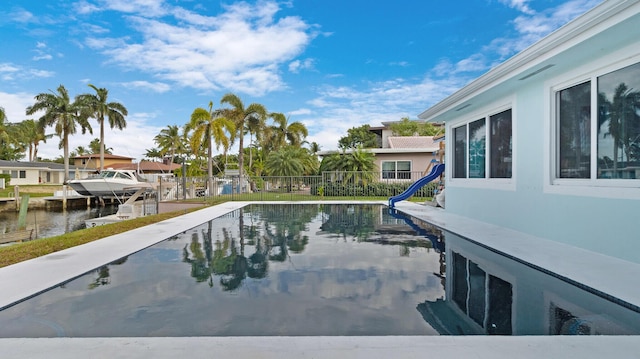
x,y
329,185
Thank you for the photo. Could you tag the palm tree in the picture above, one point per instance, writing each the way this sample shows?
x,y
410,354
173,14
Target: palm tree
x,y
208,125
3,125
623,110
153,153
79,151
283,132
98,106
286,161
33,134
357,160
64,115
314,147
240,117
169,140
95,145
255,126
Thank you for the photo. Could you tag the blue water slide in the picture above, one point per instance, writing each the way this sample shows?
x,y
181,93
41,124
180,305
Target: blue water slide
x,y
435,173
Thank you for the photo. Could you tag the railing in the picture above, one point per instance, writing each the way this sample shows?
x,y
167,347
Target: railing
x,y
329,185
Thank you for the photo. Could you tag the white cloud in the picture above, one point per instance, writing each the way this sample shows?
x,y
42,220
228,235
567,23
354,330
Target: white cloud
x,y
297,65
158,87
11,72
241,49
15,105
42,57
301,111
520,5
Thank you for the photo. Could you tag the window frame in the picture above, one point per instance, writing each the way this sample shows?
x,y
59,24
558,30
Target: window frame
x,y
592,186
485,113
384,173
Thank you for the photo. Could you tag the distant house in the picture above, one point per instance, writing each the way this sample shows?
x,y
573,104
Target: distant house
x,y
30,173
401,157
147,167
548,142
92,161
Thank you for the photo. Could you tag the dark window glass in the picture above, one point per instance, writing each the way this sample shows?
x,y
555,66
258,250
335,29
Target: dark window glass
x,y
460,152
477,148
501,142
574,128
460,288
500,303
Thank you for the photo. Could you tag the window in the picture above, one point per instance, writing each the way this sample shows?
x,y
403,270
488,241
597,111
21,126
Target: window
x,y
460,152
574,121
484,298
471,148
619,123
396,169
501,145
615,126
18,174
477,148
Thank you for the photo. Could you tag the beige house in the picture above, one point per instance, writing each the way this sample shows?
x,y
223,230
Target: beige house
x,y
406,158
403,158
92,161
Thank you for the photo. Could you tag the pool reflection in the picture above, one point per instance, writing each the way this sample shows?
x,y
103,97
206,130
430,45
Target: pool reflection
x,y
313,270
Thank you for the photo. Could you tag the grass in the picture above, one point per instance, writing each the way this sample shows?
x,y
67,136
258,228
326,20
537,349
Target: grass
x,y
39,247
41,190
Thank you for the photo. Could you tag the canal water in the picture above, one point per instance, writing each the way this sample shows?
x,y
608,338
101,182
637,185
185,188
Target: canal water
x,y
53,222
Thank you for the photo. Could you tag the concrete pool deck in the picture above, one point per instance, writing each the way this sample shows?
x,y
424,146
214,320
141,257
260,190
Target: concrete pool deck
x,y
619,279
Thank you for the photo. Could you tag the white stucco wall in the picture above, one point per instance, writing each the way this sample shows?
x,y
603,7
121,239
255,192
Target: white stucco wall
x,y
600,217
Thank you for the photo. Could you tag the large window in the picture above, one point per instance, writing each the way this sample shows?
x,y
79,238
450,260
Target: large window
x,y
396,169
615,126
484,146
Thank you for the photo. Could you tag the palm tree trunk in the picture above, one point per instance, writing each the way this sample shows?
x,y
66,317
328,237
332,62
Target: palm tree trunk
x,y
101,145
241,159
209,165
65,144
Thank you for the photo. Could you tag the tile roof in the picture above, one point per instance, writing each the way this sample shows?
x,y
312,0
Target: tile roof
x,y
106,155
146,166
411,142
44,165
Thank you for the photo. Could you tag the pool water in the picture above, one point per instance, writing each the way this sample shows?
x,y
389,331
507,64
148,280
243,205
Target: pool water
x,y
312,270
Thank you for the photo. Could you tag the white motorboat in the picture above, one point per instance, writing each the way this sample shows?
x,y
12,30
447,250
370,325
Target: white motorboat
x,y
110,183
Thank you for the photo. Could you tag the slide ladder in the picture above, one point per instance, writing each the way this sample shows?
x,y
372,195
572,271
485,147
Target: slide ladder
x,y
435,173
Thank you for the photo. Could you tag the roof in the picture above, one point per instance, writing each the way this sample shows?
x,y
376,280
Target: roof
x,y
146,166
106,155
579,40
411,142
43,165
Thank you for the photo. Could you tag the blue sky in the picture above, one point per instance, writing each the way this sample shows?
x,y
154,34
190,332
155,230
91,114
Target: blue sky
x,y
331,64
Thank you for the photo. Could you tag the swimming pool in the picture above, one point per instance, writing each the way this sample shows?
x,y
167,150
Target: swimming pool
x,y
319,269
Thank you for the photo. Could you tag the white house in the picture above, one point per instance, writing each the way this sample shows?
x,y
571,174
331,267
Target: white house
x,y
548,142
30,173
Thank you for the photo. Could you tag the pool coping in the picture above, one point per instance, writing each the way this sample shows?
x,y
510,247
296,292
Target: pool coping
x,y
26,279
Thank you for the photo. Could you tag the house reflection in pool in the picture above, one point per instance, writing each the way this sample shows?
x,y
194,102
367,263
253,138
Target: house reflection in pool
x,y
487,293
